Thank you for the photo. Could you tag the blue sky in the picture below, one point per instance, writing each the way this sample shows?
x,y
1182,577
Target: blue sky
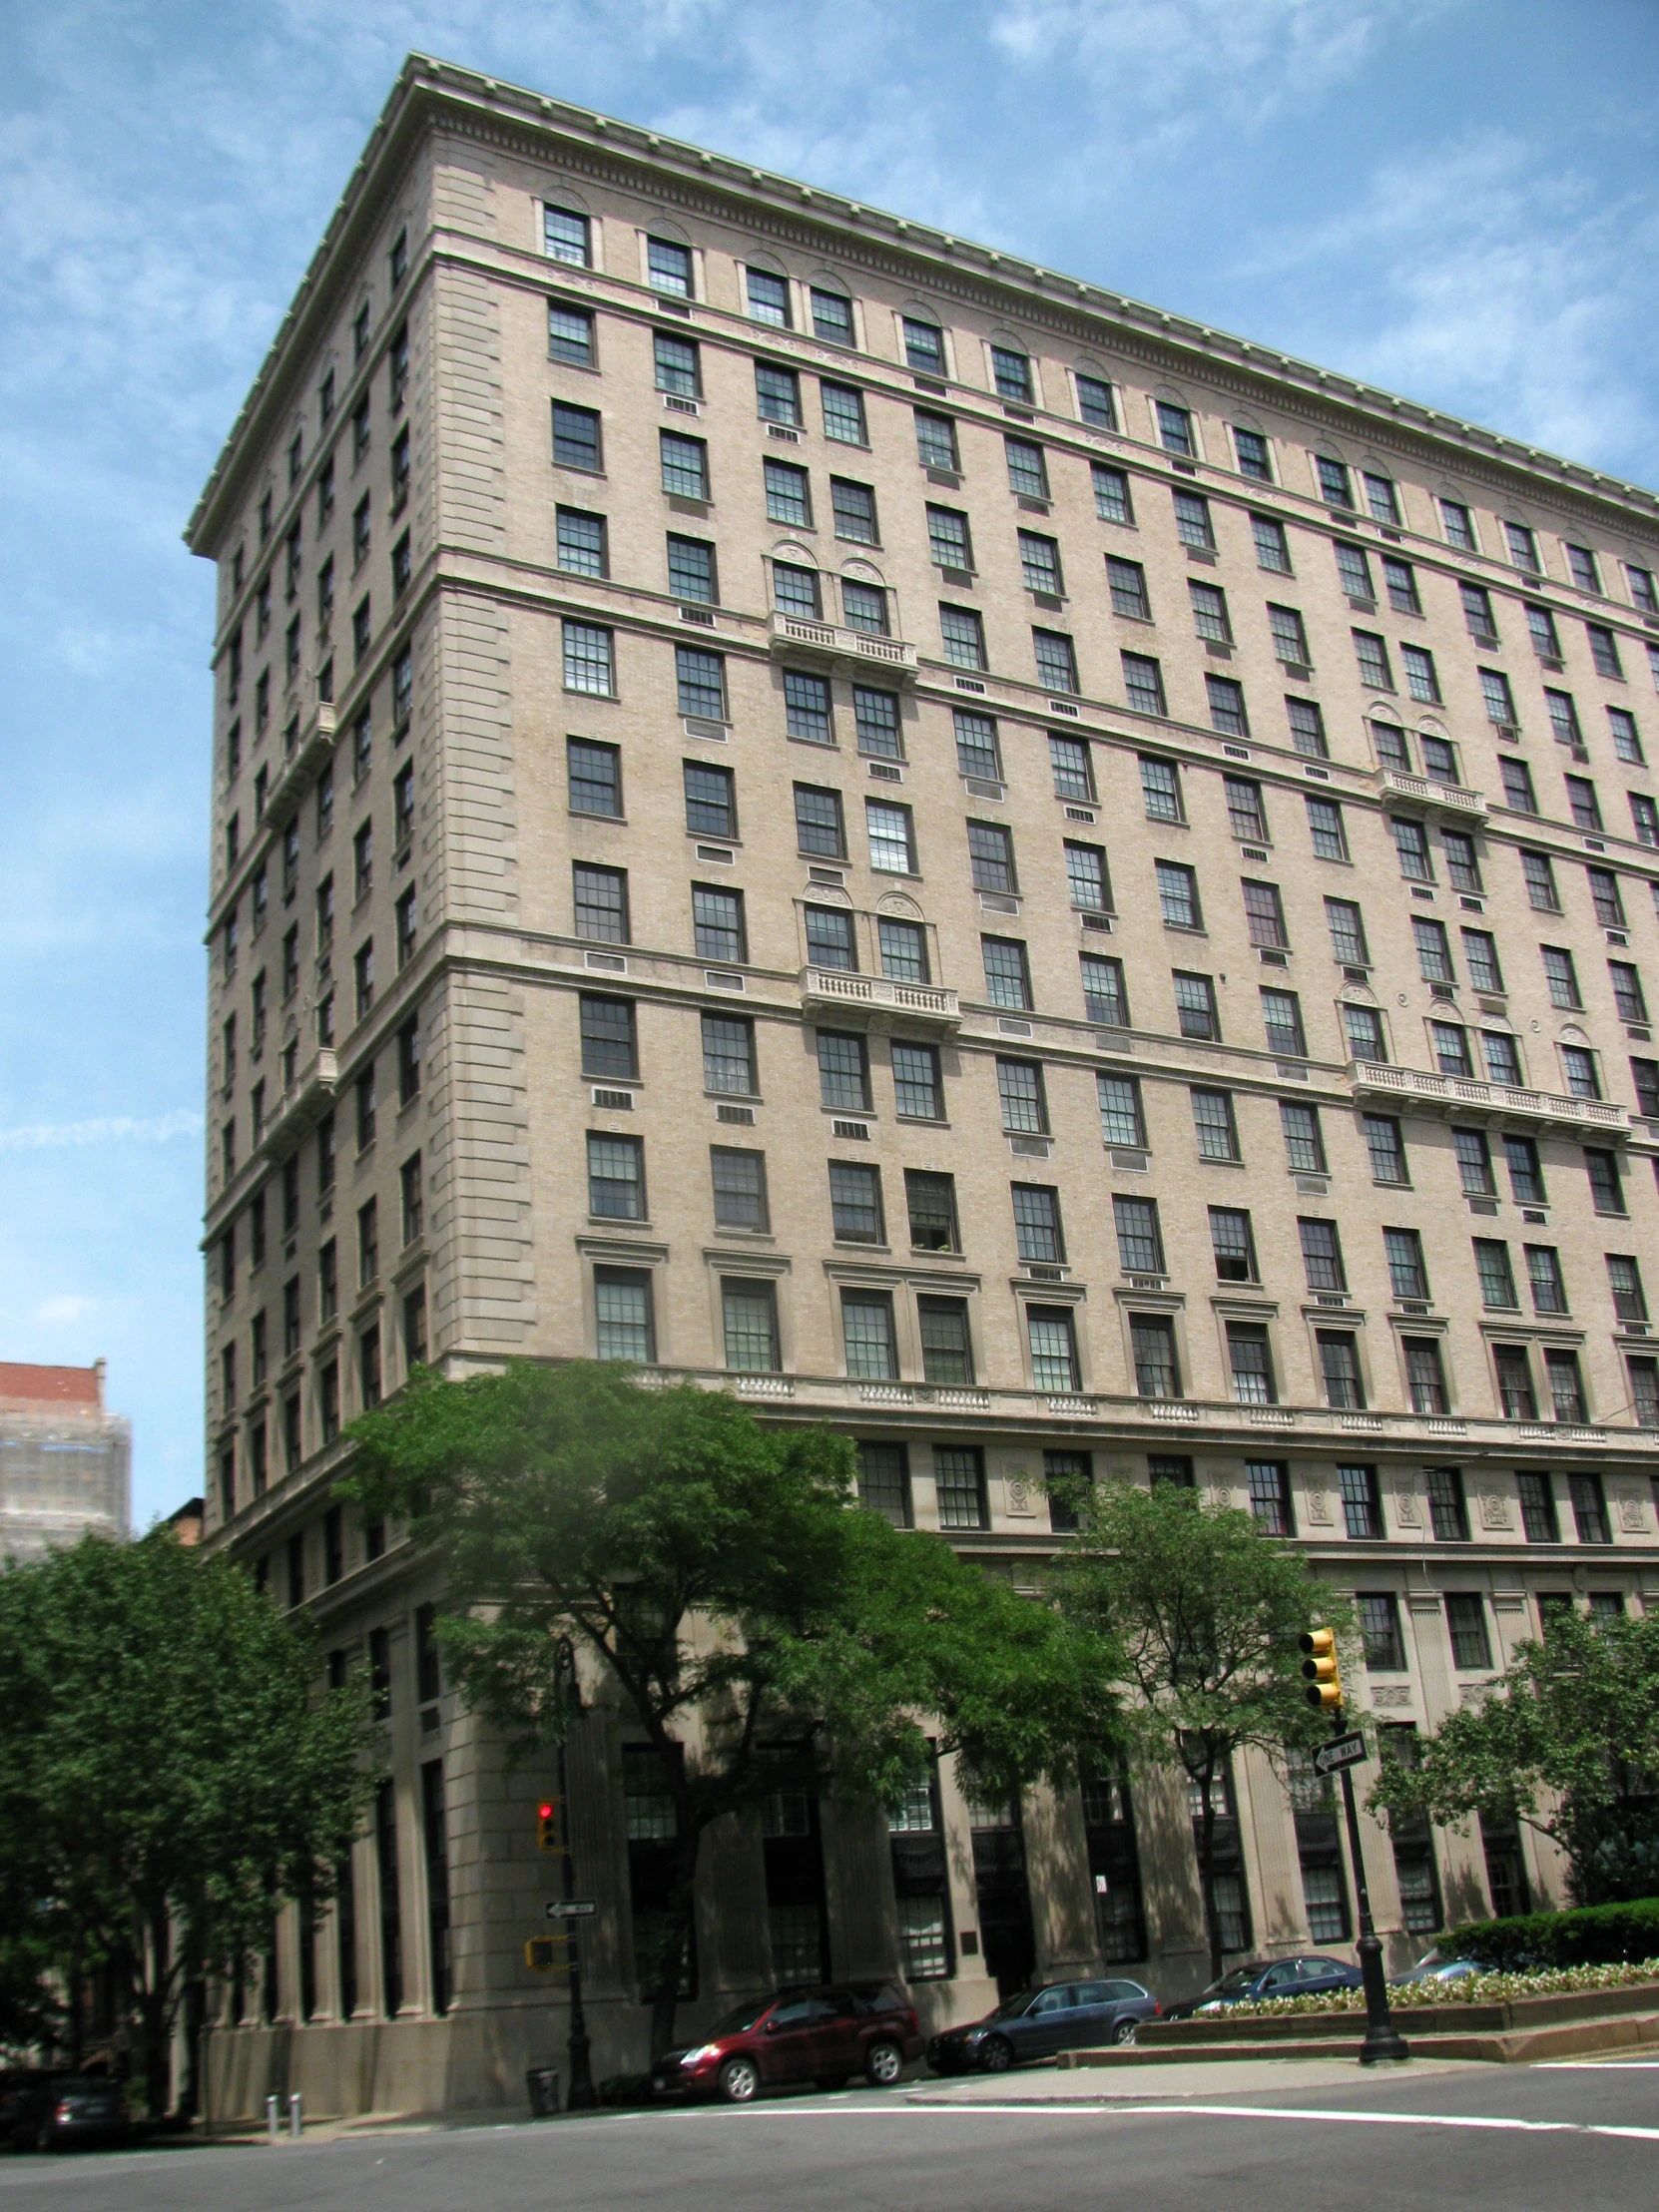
x,y
1456,199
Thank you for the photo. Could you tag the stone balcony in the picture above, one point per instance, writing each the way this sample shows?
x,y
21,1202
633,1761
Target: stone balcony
x,y
1465,1095
1420,793
878,1000
302,1104
313,747
859,649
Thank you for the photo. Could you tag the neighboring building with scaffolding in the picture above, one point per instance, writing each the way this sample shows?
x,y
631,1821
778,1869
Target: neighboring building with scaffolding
x,y
65,1464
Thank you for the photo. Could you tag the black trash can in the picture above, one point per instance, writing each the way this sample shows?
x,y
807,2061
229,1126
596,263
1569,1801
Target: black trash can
x,y
543,2085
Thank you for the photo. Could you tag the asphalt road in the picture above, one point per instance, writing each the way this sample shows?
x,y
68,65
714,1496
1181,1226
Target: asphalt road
x,y
1553,2138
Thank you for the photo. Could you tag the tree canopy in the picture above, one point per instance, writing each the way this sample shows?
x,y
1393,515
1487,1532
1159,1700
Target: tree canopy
x,y
1567,1740
171,1770
718,1577
1203,1612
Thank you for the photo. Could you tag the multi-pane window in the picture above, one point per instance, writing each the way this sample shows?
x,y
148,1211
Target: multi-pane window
x,y
1400,583
1334,487
818,826
675,361
718,931
595,772
588,658
1038,1231
935,440
1411,844
962,635
1175,429
1420,680
1290,638
1195,1007
1579,1068
1007,973
1627,742
1527,1177
1105,996
959,1480
749,1317
1524,547
1143,682
1126,581
565,236
1589,1508
1380,1614
1269,1483
1561,977
795,591
669,268
1543,1274
1121,1119
569,335
581,542
1502,1057
1281,1019
854,509
1140,1243
1057,660
1607,1190
1354,570
806,710
1625,1281
1053,1342
1462,864
1111,494
1339,1351
1642,594
1322,1255
1480,951
1152,1343
1540,627
1252,451
891,838
1227,706
1458,524
946,1355
1644,817
1516,778
1039,560
1604,651
1011,372
1020,1085
691,570
1273,549
1347,933
1540,1522
948,539
1027,470
710,799
1644,1391
1161,790
622,1323
1386,1146
609,1047
977,751
876,718
1192,522
864,608
1450,1041
1363,1026
868,1330
1306,729
729,1055
1582,803
1069,764
1178,895
917,1095
1500,703
930,1205
601,904
1604,897
1407,1275
1477,613
1233,1245
1090,886
856,1210
885,1488
1449,1513
1371,652
616,1178
829,939
768,297
1094,402
576,437
1465,1612
1628,995
903,946
832,316
788,498
991,857
1434,951
842,1072
1425,1375
700,679
1497,1277
1215,1125
1303,1142
1474,1162
1265,915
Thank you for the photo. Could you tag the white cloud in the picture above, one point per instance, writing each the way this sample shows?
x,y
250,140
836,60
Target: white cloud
x,y
39,1136
65,1309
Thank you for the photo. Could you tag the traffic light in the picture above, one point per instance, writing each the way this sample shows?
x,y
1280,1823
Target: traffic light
x,y
1320,1670
548,1837
549,1953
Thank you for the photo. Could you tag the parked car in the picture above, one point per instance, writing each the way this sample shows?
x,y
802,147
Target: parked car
x,y
824,2035
1272,1978
1036,2023
1436,1969
42,2111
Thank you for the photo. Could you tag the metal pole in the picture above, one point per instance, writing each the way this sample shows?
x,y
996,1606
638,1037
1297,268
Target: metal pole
x,y
1381,2040
296,2118
270,2119
583,2096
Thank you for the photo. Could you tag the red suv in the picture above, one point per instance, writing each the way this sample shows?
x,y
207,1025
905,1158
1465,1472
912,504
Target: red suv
x,y
822,2036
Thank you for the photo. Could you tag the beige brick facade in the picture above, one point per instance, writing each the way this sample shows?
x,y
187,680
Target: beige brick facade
x,y
1273,1223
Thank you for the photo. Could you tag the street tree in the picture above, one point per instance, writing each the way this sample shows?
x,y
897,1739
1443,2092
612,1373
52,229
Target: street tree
x,y
725,1594
1566,1741
170,1769
1204,1611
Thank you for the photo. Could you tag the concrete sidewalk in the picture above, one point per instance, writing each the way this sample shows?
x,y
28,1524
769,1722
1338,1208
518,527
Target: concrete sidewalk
x,y
1176,2078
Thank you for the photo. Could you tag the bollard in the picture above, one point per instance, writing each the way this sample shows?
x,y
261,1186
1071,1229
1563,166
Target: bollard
x,y
270,2119
295,2117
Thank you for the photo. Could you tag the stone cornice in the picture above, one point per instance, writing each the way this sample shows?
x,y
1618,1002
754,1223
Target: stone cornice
x,y
460,103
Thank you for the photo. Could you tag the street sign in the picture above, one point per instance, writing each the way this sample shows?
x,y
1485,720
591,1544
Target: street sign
x,y
1342,1751
571,1909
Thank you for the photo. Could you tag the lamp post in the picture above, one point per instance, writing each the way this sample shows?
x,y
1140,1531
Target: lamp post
x,y
583,2096
1383,2040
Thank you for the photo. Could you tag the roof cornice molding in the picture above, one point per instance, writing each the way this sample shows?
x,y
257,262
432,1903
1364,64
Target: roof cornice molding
x,y
457,101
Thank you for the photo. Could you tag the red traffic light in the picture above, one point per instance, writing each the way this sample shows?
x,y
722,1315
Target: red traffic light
x,y
546,1811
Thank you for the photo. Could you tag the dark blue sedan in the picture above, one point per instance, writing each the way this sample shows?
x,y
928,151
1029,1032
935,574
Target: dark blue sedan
x,y
1308,1976
1036,2023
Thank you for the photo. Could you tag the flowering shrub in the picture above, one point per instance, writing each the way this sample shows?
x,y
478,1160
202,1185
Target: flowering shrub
x,y
1472,1988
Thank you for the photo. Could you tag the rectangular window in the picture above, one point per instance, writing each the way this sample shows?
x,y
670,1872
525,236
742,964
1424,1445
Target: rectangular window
x,y
1140,1243
1420,680
935,440
710,799
959,1480
818,826
1604,651
1039,560
1092,890
729,1055
1411,844
1020,1085
595,774
885,1488
610,1048
1579,1067
1583,803
1175,429
1407,1275
1589,1507
1339,1351
1561,977
1449,1512
844,415
616,1178
977,751
1371,652
864,608
1450,1041
1644,817
1227,706
1121,1119
1379,1614
904,951
867,1332
1497,1282
1524,547
991,857
718,929
1306,729
1459,525
1007,973
829,939
1465,1613
963,637
1252,451
1354,570
1502,1057
685,465
1057,660
891,838
1540,1523
917,1095
856,1211
677,364
1233,1245
624,1327
1387,1147
1054,1348
1195,1007
1514,1383
1111,495
565,236
1543,1271
832,316
1322,1255
1094,402
1143,682
842,1072
1218,1135
581,543
739,1183
1178,895
1480,951
601,895
1012,374
806,707
588,660
795,591
1105,997
576,437
1627,742
1265,915
669,268
1192,522
1273,550
1126,580
1625,1281
1604,897
569,335
930,1204
1303,1143
1027,470
875,717
691,571
700,679
1628,995
1425,1374
1269,1483
1152,1342
1071,767
946,1350
853,508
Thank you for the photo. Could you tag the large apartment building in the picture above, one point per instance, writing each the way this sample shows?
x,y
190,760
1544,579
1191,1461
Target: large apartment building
x,y
828,811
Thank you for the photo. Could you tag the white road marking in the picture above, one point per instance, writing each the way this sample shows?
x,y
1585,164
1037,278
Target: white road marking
x,y
1485,2121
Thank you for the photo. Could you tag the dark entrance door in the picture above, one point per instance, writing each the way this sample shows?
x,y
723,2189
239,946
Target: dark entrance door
x,y
1004,1899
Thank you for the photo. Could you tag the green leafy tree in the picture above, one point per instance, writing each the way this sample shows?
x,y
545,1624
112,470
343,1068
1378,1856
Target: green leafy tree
x,y
1567,1740
1205,1612
714,1574
169,1771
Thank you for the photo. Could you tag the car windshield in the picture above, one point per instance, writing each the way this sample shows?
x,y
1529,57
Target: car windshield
x,y
1011,2008
1240,1978
744,2016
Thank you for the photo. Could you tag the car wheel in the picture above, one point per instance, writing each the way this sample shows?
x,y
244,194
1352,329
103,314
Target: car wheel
x,y
996,2054
1124,2032
884,2063
832,2082
739,2081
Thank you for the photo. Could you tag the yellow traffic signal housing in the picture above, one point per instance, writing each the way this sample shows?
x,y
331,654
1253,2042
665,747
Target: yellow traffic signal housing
x,y
549,1823
548,1954
1320,1670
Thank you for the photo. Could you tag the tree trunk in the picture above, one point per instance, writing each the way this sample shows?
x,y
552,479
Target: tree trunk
x,y
677,1935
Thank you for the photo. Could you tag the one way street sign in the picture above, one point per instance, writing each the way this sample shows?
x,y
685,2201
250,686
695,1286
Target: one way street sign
x,y
571,1909
1342,1751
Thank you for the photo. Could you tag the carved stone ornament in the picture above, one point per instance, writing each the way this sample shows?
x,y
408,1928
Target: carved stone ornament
x,y
1017,1491
1494,1509
1406,1503
1632,1519
1389,1694
1219,1494
1318,1506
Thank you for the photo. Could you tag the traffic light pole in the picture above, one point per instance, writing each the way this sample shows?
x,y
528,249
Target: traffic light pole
x,y
583,2096
1382,2042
